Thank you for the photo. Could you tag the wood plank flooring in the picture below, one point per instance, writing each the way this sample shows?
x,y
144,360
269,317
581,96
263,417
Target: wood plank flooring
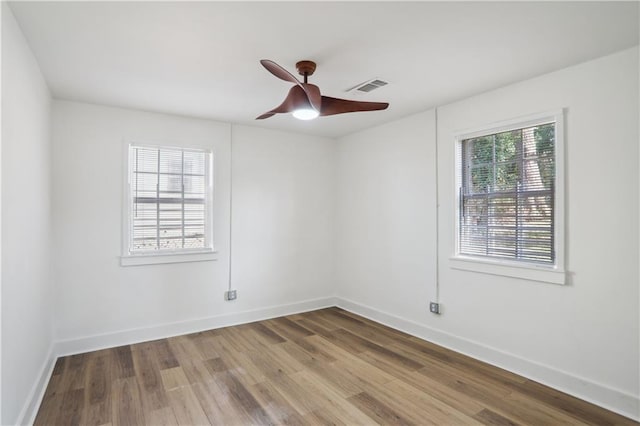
x,y
323,367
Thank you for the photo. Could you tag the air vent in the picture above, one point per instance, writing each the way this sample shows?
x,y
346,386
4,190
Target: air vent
x,y
368,86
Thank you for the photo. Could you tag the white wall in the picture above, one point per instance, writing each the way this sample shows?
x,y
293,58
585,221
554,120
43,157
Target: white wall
x,y
283,206
26,222
281,244
385,219
582,337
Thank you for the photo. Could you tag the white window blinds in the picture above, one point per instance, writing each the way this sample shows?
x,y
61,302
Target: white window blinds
x,y
170,199
507,195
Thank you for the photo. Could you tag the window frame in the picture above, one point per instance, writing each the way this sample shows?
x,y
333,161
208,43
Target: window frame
x,y
551,273
134,258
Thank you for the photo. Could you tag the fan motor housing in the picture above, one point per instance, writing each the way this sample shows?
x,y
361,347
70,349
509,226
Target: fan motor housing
x,y
306,67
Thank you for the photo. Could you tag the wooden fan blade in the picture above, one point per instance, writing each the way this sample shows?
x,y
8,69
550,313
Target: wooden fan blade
x,y
332,106
266,115
313,94
311,90
296,98
279,72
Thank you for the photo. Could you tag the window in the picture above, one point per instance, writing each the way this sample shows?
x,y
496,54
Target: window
x,y
509,205
169,211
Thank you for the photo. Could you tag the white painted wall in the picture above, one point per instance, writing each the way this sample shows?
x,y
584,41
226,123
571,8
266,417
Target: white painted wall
x,y
26,222
283,207
582,337
385,217
281,195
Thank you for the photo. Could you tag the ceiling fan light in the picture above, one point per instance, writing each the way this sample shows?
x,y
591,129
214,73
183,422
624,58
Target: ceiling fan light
x,y
305,114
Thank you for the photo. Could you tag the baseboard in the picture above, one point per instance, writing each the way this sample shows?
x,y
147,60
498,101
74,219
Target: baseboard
x,y
138,335
28,413
614,400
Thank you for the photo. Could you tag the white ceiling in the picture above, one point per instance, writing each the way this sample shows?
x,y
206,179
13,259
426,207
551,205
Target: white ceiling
x,y
201,58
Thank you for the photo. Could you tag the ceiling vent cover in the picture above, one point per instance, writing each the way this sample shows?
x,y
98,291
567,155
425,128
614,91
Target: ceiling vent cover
x,y
368,86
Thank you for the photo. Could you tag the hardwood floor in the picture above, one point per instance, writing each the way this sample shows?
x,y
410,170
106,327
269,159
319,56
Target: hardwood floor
x,y
322,367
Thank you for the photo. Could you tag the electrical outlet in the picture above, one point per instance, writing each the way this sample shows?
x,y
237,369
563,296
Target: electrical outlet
x,y
230,295
434,308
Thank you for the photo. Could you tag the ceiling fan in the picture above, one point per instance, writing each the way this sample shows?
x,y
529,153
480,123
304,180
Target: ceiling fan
x,y
304,100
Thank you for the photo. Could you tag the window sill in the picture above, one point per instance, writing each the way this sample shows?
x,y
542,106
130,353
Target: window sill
x,y
540,273
160,258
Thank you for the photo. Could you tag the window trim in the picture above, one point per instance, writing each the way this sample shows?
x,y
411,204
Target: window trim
x,y
129,258
552,273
